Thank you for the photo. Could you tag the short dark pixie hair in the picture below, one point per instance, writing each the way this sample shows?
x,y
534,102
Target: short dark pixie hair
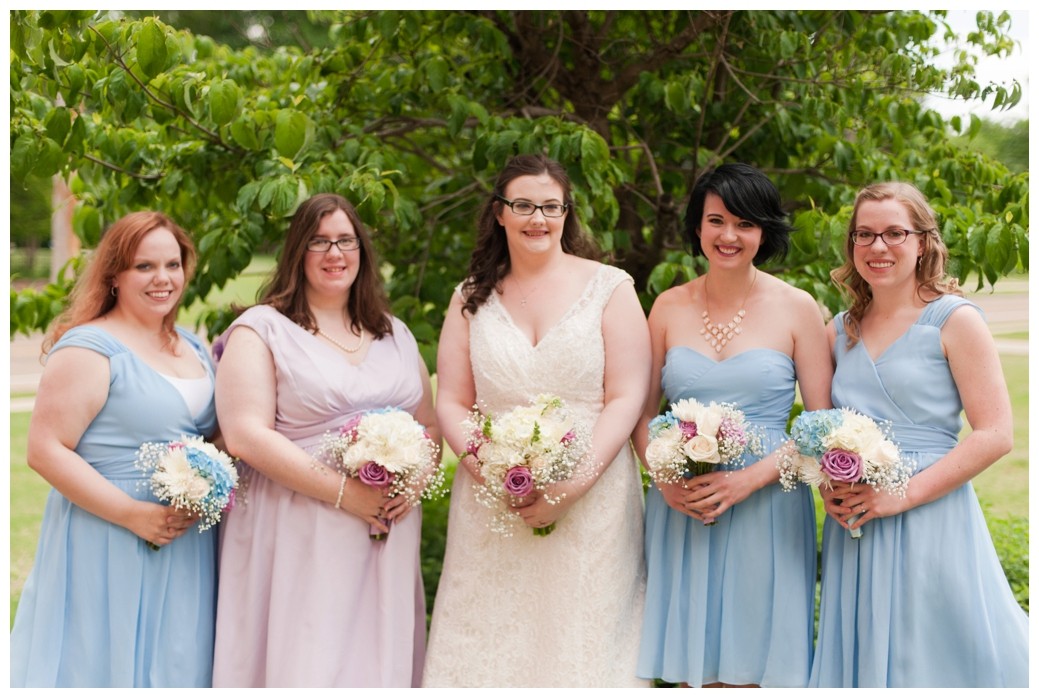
x,y
748,193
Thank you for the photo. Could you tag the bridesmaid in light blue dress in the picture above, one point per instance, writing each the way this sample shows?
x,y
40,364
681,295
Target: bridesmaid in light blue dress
x,y
732,603
920,599
100,607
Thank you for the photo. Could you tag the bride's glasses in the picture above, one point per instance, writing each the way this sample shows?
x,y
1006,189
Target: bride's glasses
x,y
526,208
895,236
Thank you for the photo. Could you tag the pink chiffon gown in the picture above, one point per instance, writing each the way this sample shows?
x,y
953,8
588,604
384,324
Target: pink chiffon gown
x,y
306,598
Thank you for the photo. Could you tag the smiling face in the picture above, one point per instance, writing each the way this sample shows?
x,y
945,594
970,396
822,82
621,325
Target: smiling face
x,y
536,232
154,282
883,265
726,238
332,273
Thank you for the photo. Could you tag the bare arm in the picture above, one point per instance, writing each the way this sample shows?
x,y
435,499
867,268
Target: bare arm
x,y
72,391
456,389
246,400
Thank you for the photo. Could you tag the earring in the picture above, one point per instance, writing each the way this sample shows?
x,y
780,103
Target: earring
x,y
113,292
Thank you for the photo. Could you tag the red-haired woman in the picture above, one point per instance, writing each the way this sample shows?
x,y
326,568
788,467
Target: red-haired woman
x,y
100,607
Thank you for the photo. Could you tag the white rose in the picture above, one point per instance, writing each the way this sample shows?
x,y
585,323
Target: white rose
x,y
702,449
662,451
883,454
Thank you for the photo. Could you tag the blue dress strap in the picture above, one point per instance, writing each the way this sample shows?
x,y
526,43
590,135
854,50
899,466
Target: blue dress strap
x,y
938,311
89,337
838,323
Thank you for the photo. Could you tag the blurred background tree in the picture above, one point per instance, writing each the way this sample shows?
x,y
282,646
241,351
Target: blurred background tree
x,y
227,120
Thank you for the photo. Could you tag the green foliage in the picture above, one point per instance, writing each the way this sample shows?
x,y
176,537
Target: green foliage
x,y
411,115
1010,537
1006,144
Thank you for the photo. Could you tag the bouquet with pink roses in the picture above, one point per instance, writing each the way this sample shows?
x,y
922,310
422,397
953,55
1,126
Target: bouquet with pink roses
x,y
524,450
841,445
388,449
692,439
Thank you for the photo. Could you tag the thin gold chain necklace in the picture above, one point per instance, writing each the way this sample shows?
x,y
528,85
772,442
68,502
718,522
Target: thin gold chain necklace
x,y
719,334
348,350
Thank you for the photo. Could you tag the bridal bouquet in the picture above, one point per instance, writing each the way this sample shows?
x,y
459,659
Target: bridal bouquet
x,y
524,450
842,445
387,448
691,438
190,474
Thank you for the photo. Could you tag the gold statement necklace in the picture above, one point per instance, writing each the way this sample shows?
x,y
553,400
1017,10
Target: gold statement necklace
x,y
719,334
348,350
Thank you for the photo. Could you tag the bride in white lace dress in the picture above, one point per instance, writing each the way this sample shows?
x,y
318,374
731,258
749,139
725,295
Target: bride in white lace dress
x,y
534,317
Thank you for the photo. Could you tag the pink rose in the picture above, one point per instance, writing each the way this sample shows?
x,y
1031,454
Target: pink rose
x,y
519,482
374,474
568,437
841,465
350,428
688,429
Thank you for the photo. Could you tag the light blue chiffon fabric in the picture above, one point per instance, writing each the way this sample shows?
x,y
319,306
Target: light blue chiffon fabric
x,y
732,602
100,608
921,598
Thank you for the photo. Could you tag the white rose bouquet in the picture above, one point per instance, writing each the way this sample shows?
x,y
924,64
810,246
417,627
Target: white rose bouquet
x,y
388,449
842,445
692,438
522,451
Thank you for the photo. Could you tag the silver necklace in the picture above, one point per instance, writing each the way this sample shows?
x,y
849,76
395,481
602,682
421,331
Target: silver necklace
x,y
348,350
523,296
719,334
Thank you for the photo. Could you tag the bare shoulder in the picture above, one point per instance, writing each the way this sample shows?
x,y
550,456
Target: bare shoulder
x,y
790,297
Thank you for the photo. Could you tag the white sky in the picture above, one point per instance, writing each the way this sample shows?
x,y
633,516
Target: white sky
x,y
997,70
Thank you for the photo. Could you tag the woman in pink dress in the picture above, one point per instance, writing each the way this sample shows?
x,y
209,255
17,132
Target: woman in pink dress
x,y
307,597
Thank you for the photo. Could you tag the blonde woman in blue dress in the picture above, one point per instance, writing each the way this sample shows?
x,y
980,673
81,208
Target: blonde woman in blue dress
x,y
920,599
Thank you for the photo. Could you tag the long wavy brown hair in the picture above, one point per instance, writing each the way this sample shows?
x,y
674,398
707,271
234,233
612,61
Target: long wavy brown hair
x,y
285,291
490,261
931,278
92,296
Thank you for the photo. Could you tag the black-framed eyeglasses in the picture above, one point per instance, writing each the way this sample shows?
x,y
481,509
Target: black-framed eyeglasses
x,y
324,245
891,238
526,208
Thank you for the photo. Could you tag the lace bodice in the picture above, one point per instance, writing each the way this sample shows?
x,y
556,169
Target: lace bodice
x,y
569,361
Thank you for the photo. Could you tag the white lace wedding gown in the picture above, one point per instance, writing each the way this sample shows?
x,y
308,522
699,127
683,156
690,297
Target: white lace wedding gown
x,y
560,610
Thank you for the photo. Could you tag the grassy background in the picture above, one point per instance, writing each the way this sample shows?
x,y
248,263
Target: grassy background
x,y
1002,488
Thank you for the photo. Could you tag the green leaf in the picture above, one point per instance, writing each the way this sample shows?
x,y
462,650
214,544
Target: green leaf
x,y
23,156
151,48
290,132
86,221
49,159
243,130
58,124
223,101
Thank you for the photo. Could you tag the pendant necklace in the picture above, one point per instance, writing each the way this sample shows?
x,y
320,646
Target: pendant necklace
x,y
719,334
523,296
348,350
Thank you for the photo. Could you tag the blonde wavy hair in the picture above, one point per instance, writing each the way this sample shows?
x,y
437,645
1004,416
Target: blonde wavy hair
x,y
931,278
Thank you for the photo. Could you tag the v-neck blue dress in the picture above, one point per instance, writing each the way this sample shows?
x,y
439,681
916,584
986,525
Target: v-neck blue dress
x,y
100,608
732,602
920,599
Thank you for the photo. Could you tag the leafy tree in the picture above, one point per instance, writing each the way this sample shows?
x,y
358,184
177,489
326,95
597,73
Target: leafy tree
x,y
1007,144
412,114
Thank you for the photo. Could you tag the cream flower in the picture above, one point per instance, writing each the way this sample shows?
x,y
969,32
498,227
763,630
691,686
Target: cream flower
x,y
702,448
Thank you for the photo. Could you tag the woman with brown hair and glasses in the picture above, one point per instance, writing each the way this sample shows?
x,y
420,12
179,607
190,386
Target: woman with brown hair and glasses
x,y
307,598
538,315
